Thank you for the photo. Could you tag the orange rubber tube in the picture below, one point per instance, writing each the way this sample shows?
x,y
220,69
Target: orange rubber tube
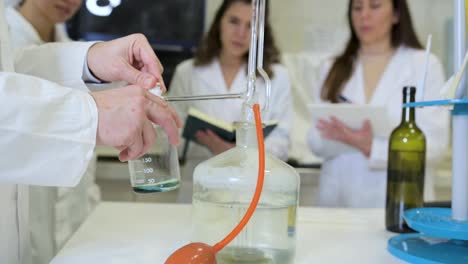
x,y
258,189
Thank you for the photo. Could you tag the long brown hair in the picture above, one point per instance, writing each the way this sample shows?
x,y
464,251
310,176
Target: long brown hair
x,y
210,46
402,34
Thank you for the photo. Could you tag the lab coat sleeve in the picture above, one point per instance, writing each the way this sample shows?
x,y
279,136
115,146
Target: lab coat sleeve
x,y
62,63
316,142
180,86
47,132
433,121
280,109
379,153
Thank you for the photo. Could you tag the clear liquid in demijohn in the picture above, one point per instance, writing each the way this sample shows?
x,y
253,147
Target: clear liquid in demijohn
x,y
223,190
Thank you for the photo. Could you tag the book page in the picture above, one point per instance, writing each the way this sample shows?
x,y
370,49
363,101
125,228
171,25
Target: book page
x,y
212,120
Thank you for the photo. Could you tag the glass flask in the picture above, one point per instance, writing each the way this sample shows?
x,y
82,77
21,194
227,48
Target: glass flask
x,y
158,170
223,189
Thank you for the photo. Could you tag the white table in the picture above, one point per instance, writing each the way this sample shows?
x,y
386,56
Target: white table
x,y
147,233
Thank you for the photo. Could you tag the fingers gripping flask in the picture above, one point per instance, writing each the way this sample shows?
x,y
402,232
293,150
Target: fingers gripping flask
x,y
223,188
158,170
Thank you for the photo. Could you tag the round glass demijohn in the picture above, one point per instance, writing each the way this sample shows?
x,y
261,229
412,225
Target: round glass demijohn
x,y
223,189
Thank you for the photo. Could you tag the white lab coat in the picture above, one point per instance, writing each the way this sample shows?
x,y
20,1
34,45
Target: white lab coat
x,y
23,34
55,213
208,79
352,180
47,132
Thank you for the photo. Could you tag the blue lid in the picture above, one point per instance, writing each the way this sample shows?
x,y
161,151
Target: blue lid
x,y
436,222
420,249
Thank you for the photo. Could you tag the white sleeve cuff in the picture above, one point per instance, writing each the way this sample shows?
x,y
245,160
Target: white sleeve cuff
x,y
88,76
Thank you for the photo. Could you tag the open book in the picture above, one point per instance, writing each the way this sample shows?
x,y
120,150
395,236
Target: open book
x,y
197,120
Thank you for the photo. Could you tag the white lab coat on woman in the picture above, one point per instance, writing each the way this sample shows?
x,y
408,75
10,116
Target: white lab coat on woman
x,y
208,79
23,34
37,115
352,180
55,213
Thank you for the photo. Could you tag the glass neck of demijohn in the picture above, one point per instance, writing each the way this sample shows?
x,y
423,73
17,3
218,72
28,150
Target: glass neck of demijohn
x,y
246,135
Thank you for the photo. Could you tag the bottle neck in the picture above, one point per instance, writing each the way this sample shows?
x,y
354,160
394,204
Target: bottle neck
x,y
246,135
408,114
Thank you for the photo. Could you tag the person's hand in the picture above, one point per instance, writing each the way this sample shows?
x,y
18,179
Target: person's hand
x,y
336,130
129,59
212,141
125,117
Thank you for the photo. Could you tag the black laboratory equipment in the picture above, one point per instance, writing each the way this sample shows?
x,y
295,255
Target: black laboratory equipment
x,y
173,27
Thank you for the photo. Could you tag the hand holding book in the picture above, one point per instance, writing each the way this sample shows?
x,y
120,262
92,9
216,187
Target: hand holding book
x,y
212,141
197,120
334,129
214,133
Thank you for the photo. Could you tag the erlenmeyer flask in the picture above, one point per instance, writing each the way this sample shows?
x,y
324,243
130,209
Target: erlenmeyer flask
x,y
223,188
158,170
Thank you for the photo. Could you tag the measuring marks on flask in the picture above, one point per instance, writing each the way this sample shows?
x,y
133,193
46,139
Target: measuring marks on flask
x,y
146,181
146,170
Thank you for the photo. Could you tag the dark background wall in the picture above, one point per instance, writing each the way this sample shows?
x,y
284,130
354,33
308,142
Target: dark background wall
x,y
173,27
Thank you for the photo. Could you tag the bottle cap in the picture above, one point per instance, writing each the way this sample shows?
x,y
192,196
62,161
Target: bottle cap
x,y
156,90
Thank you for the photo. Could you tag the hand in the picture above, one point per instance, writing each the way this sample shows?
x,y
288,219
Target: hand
x,y
125,120
338,131
129,59
213,142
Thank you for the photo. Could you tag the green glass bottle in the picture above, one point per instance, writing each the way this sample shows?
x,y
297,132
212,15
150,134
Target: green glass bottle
x,y
405,168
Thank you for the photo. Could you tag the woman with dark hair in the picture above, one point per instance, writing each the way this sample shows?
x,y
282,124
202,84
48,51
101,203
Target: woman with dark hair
x,y
220,67
382,56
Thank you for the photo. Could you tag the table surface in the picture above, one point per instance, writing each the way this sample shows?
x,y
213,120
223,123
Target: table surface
x,y
150,232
